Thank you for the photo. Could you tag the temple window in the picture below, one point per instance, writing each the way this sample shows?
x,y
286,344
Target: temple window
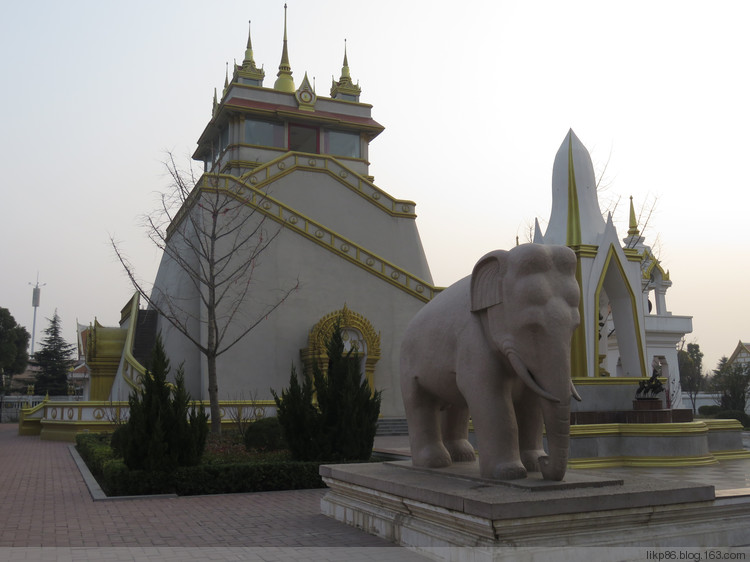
x,y
340,143
264,133
304,139
250,82
224,136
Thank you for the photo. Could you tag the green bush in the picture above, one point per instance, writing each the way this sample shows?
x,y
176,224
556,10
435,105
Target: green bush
x,y
348,408
709,410
299,419
342,426
264,435
95,450
118,480
738,415
249,477
162,432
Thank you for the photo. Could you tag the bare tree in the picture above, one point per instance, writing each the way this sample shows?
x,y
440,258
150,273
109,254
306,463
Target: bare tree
x,y
215,236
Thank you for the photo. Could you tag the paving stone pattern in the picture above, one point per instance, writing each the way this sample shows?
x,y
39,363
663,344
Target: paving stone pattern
x,y
47,513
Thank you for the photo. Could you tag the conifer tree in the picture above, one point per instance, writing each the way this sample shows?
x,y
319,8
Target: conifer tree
x,y
54,359
14,340
298,418
342,426
348,408
163,431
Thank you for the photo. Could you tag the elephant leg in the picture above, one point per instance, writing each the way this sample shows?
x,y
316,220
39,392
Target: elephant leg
x,y
423,418
497,437
530,427
456,433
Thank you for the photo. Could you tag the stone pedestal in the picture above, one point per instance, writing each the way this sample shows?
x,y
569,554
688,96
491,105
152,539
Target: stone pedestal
x,y
452,514
647,404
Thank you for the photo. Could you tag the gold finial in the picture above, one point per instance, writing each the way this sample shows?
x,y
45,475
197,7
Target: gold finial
x,y
345,68
216,104
249,50
344,88
249,73
284,81
633,230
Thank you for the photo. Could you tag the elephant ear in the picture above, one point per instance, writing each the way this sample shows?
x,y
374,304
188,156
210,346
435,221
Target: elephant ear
x,y
487,280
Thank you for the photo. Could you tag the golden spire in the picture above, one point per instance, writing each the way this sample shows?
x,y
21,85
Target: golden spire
x,y
226,79
633,230
285,82
249,73
216,104
344,88
249,49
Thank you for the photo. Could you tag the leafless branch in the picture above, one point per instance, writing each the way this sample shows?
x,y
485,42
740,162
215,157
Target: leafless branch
x,y
216,239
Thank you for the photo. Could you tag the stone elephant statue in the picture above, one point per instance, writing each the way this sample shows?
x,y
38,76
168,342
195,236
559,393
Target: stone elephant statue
x,y
496,346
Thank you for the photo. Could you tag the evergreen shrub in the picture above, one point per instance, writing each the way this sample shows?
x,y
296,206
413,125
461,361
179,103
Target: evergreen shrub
x,y
342,426
264,435
709,410
163,431
247,477
118,480
738,415
95,450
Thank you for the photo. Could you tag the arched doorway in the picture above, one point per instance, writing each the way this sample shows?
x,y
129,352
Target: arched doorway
x,y
357,333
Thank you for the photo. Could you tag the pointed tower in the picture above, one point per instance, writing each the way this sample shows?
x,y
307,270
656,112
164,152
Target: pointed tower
x,y
345,89
296,166
284,81
608,285
249,74
618,336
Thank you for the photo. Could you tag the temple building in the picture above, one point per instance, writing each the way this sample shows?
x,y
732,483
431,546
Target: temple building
x,y
740,355
296,164
291,167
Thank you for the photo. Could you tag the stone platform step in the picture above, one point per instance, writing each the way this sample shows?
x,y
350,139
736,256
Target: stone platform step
x,y
392,426
442,512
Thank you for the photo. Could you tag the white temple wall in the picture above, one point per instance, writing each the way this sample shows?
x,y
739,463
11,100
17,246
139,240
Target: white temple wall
x,y
334,205
263,359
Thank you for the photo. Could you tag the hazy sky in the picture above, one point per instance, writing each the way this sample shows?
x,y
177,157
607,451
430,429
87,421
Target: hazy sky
x,y
476,98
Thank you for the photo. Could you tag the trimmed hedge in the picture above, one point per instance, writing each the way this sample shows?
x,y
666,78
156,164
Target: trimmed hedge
x,y
738,415
95,451
261,477
117,480
709,410
264,435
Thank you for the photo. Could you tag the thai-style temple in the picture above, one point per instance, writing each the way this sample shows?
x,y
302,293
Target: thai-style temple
x,y
294,165
297,163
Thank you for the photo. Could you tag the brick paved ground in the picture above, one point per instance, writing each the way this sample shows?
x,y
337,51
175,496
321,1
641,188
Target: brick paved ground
x,y
46,513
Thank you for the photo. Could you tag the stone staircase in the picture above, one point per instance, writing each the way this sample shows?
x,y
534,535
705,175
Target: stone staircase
x,y
145,336
392,426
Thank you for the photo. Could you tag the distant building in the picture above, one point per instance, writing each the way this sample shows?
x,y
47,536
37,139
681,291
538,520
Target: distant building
x,y
741,354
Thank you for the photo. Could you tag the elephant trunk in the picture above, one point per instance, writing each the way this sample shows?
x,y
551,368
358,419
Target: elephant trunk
x,y
557,422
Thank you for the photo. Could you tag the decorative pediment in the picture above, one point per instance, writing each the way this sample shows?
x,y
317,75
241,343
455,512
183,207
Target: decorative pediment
x,y
305,95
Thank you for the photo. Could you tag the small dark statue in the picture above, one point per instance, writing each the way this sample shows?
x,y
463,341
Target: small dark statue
x,y
650,389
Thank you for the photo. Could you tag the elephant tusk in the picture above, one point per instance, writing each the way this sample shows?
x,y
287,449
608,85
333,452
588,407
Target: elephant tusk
x,y
574,392
528,378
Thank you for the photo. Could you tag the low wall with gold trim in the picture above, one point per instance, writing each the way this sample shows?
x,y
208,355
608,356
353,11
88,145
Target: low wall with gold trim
x,y
62,421
694,443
